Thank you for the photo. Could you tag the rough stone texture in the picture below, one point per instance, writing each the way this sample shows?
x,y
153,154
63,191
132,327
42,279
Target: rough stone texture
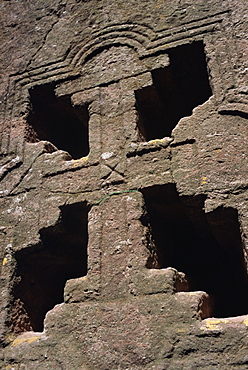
x,y
124,174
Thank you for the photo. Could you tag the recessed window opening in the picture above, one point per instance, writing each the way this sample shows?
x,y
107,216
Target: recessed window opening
x,y
54,119
206,247
176,90
42,270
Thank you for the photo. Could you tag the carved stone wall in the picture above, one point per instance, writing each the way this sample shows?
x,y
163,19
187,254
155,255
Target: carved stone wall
x,y
124,215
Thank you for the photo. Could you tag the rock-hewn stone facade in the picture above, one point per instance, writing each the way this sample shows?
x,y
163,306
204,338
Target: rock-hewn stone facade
x,y
124,174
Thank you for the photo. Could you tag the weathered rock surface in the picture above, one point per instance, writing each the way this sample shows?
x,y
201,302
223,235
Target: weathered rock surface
x,y
124,184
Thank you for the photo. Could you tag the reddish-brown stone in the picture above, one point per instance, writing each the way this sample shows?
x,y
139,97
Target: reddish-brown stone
x,y
123,169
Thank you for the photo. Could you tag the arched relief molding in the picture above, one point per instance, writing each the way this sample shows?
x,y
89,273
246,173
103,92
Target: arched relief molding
x,y
143,40
90,50
135,36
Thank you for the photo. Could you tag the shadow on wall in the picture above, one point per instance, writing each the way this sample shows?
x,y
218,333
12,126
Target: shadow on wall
x,y
42,270
54,119
206,247
176,91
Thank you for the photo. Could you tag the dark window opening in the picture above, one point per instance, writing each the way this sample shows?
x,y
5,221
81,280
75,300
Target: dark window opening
x,y
54,119
42,270
176,90
206,247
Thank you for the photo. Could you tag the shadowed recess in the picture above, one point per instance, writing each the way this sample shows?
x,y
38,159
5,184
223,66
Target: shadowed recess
x,y
177,89
54,119
207,247
42,270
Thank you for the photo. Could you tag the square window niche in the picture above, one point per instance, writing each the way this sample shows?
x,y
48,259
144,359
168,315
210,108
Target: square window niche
x,y
43,269
176,90
207,247
56,120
